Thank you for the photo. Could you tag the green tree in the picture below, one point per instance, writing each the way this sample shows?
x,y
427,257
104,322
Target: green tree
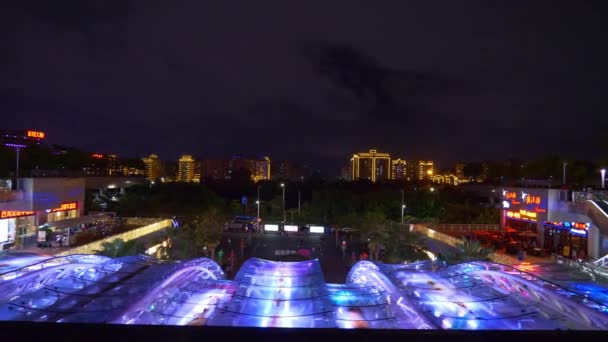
x,y
208,230
402,245
119,248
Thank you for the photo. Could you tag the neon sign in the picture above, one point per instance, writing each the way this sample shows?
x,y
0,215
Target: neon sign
x,y
532,199
510,195
66,206
35,134
97,155
15,213
522,214
576,228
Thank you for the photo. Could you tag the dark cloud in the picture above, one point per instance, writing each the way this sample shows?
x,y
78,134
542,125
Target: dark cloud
x,y
314,81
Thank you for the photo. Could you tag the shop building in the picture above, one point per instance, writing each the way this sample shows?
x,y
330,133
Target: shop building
x,y
36,202
554,221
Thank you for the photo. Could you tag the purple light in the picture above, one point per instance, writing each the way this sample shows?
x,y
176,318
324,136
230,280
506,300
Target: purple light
x,y
15,145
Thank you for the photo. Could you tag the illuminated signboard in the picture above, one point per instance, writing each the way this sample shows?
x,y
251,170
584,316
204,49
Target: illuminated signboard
x,y
576,228
317,229
66,206
15,213
35,134
97,155
271,227
523,205
289,228
522,214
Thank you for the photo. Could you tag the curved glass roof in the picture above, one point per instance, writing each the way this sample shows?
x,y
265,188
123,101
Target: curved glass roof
x,y
142,290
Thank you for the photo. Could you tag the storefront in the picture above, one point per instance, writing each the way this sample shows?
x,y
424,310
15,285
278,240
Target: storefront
x,y
63,212
523,209
569,239
16,227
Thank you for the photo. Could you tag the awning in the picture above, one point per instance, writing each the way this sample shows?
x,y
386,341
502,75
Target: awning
x,y
77,221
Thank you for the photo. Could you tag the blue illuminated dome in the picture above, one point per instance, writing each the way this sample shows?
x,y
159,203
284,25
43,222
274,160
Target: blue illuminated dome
x,y
142,290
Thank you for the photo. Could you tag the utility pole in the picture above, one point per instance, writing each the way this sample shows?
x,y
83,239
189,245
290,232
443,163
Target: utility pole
x,y
564,173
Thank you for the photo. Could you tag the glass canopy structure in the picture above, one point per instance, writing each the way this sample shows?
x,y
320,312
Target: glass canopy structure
x,y
142,290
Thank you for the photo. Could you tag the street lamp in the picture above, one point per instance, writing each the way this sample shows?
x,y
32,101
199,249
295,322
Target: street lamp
x,y
258,202
603,173
284,214
402,205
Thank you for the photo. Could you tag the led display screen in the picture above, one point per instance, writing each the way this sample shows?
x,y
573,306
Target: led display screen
x,y
290,228
317,229
3,231
271,227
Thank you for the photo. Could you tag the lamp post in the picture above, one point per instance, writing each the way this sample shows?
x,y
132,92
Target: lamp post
x,y
258,204
603,173
402,205
284,214
299,202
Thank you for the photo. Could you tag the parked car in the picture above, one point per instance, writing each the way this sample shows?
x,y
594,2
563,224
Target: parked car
x,y
239,223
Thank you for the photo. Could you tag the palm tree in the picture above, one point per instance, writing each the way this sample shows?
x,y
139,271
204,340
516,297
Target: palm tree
x,y
469,250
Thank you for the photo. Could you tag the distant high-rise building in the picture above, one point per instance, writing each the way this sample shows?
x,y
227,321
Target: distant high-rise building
x,y
258,168
154,167
186,169
285,169
103,165
372,165
459,168
399,169
215,169
345,173
21,139
411,172
425,170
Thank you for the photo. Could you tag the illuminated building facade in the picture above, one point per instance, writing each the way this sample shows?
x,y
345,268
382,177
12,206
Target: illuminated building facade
x,y
154,167
37,202
21,139
425,170
103,165
186,169
558,222
373,165
258,168
399,169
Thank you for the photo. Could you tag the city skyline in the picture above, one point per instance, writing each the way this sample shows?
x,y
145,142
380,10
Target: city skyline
x,y
412,80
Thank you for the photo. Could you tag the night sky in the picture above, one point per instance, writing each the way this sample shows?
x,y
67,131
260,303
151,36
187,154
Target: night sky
x,y
315,82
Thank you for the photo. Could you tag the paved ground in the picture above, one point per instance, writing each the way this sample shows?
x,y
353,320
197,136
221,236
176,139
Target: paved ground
x,y
334,262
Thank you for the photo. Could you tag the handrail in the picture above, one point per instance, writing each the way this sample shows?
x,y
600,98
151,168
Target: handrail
x,y
41,262
545,280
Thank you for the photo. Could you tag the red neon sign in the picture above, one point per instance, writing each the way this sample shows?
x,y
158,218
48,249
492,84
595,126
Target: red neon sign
x,y
66,206
97,155
35,134
15,213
